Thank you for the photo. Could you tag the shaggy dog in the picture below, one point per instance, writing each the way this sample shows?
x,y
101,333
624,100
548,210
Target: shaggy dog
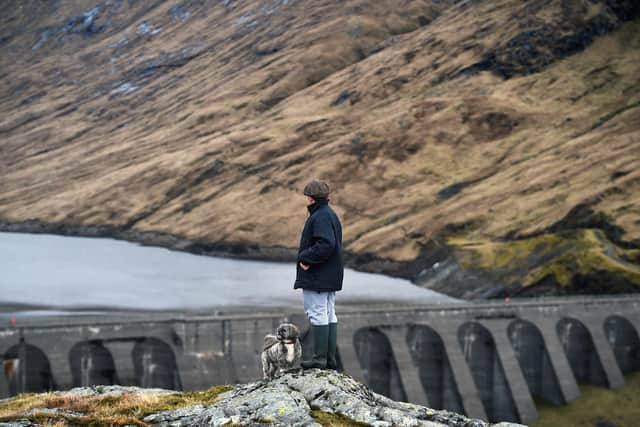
x,y
282,352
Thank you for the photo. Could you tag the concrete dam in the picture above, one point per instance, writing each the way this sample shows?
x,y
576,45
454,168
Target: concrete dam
x,y
483,360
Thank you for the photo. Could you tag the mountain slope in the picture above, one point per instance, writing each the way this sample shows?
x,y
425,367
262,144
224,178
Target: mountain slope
x,y
471,144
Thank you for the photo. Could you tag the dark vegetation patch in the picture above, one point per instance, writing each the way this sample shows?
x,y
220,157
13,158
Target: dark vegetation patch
x,y
619,174
601,282
267,188
6,39
25,119
296,161
409,56
464,227
229,249
533,49
607,117
164,63
582,216
547,286
364,149
400,148
32,98
267,51
595,282
314,130
451,190
188,183
352,96
396,83
375,50
269,102
311,124
486,127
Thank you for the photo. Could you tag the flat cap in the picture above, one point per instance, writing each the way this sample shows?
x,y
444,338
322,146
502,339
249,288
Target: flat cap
x,y
317,189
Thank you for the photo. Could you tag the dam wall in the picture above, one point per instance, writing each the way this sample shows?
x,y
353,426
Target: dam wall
x,y
483,360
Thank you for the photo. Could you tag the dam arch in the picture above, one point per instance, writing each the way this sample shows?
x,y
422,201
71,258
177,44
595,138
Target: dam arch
x,y
479,349
624,341
534,360
379,366
91,364
217,348
154,364
434,368
27,369
581,352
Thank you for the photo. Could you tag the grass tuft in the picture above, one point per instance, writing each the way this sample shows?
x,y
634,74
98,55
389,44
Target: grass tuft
x,y
596,404
126,409
328,419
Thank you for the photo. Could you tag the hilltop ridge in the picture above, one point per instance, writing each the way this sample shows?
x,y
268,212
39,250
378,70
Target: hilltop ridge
x,y
477,148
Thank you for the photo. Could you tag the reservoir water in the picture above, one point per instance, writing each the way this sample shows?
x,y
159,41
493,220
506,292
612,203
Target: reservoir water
x,y
45,274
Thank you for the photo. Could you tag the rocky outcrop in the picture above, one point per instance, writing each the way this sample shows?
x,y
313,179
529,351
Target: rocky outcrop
x,y
295,399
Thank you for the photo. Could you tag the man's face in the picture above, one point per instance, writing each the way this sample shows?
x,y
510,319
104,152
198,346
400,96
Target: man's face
x,y
310,200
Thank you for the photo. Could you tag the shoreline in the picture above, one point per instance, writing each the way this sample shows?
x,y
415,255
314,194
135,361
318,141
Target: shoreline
x,y
107,265
153,238
366,263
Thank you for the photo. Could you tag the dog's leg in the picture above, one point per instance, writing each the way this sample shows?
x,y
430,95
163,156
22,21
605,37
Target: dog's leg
x,y
265,366
298,358
298,353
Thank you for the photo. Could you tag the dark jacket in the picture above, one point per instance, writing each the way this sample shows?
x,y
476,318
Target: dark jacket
x,y
321,248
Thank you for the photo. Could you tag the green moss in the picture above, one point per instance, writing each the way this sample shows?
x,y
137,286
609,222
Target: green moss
x,y
589,255
620,407
629,35
488,255
629,255
328,419
578,256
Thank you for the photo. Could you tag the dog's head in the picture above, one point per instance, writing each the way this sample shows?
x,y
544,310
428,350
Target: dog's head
x,y
287,332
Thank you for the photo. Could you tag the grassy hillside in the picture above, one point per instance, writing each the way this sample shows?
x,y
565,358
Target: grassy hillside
x,y
597,407
479,148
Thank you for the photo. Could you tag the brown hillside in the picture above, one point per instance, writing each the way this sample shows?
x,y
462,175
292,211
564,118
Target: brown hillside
x,y
471,144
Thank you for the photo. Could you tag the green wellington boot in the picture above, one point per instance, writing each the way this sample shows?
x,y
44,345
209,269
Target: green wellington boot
x,y
320,342
333,347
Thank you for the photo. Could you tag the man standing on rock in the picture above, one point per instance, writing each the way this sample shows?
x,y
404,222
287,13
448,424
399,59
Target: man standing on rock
x,y
319,273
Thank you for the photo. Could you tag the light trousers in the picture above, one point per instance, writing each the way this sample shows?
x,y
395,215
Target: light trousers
x,y
320,307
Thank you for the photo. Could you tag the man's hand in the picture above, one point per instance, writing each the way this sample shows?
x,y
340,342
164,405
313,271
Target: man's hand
x,y
305,267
